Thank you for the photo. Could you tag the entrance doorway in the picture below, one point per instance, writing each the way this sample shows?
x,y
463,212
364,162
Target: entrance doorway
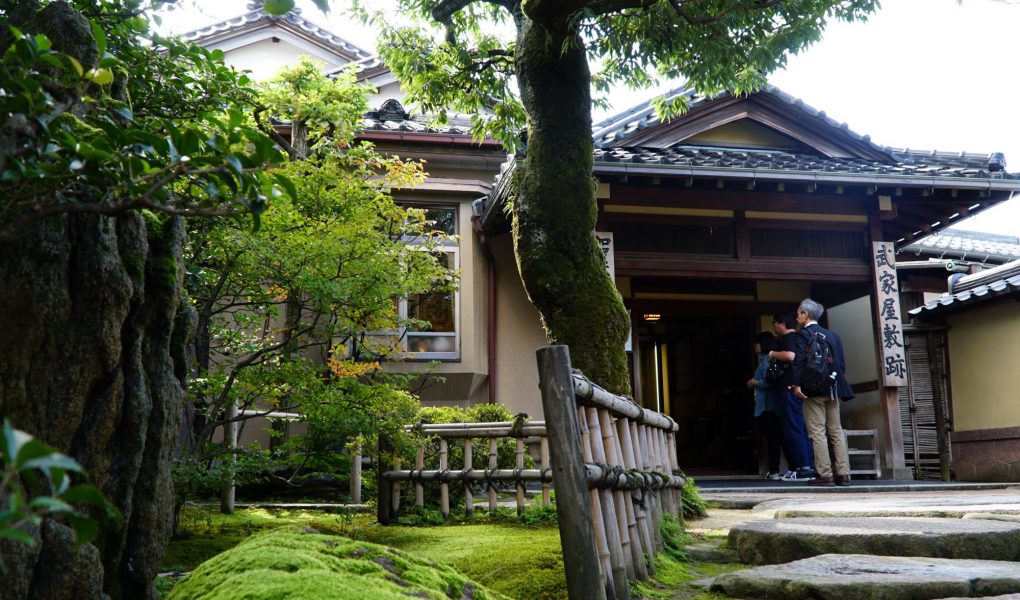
x,y
695,369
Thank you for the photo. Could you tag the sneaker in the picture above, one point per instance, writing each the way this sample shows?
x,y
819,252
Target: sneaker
x,y
789,476
806,474
773,476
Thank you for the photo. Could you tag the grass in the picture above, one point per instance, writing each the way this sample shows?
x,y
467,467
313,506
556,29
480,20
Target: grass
x,y
502,553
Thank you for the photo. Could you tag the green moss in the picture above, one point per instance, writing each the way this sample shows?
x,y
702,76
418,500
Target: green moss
x,y
521,562
296,564
673,580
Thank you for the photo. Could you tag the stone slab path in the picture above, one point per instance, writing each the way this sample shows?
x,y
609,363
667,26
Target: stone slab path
x,y
860,577
784,540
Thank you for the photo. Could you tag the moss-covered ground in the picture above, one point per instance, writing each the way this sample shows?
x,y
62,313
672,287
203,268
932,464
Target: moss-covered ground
x,y
518,560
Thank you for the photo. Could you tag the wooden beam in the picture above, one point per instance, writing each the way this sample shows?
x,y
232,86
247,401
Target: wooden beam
x,y
669,265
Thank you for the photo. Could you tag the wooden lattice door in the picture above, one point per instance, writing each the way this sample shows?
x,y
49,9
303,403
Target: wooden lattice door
x,y
924,407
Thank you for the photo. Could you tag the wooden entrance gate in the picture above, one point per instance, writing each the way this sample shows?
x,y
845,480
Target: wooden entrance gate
x,y
924,406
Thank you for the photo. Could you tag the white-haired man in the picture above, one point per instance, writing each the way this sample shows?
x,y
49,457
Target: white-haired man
x,y
821,409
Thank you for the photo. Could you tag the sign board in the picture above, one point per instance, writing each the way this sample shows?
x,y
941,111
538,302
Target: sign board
x,y
605,240
893,366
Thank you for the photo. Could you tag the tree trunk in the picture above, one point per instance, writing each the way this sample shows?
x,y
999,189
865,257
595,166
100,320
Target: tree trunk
x,y
93,336
554,208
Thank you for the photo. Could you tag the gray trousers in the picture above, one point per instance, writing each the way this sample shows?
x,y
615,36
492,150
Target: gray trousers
x,y
821,417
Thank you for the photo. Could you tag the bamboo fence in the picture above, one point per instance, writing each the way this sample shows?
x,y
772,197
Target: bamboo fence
x,y
612,462
490,479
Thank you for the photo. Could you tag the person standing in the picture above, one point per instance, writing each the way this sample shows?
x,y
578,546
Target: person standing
x,y
800,457
766,406
821,412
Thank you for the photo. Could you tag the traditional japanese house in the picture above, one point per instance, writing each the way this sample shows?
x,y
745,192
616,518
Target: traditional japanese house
x,y
739,208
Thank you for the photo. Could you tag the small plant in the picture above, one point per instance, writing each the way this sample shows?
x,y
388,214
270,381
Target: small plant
x,y
26,498
345,523
694,506
422,517
674,538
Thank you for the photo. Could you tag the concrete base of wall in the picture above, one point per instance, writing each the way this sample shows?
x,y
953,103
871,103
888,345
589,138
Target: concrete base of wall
x,y
987,454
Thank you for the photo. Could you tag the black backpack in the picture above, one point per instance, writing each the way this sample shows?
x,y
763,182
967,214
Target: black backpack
x,y
818,377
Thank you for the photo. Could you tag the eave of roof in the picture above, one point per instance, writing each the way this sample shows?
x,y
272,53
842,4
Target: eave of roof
x,y
972,246
991,284
292,21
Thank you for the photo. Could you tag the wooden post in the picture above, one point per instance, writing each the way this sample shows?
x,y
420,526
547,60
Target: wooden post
x,y
396,490
580,560
469,499
384,503
356,475
640,510
520,484
654,498
444,487
230,437
419,489
493,463
544,459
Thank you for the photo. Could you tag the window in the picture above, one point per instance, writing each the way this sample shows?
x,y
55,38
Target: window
x,y
439,338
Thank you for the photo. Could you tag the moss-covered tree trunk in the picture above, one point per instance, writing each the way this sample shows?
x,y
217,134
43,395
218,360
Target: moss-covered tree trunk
x,y
92,355
554,206
92,333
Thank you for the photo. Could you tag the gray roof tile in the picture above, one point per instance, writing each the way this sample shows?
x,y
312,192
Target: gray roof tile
x,y
987,285
968,245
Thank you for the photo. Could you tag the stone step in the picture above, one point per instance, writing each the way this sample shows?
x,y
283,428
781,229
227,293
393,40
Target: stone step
x,y
710,552
783,540
858,576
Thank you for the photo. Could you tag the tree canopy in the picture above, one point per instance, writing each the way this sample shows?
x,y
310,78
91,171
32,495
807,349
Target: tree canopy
x,y
540,65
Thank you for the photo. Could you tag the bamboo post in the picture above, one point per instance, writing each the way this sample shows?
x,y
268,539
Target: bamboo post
x,y
620,498
520,467
660,467
596,509
396,489
493,463
444,487
637,548
655,500
674,465
469,500
544,459
616,558
356,475
630,451
576,538
419,489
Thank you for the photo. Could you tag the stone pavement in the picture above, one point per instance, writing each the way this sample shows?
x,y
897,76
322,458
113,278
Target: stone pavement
x,y
850,529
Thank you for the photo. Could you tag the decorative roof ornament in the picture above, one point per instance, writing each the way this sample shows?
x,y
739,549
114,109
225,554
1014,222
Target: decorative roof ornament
x,y
391,110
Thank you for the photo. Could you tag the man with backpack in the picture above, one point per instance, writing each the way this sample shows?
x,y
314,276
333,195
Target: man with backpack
x,y
819,373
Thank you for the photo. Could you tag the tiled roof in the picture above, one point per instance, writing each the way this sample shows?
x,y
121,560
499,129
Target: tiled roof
x,y
912,164
610,137
979,287
968,245
391,116
256,16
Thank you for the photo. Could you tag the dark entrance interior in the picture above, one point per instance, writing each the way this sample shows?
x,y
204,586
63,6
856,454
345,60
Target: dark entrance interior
x,y
696,369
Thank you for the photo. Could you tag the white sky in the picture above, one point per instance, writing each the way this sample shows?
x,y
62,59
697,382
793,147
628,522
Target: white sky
x,y
923,74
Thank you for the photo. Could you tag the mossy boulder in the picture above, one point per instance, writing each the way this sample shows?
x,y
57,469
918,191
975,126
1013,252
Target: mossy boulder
x,y
297,564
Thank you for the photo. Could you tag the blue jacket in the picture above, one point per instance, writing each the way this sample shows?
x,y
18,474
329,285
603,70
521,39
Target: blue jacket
x,y
766,395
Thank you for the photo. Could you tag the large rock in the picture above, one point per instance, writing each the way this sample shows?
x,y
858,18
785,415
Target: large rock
x,y
860,577
784,540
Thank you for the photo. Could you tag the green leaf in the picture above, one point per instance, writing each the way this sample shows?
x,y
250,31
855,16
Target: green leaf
x,y
100,76
53,461
85,529
51,504
88,494
43,43
17,535
75,65
31,450
14,439
278,7
286,184
100,35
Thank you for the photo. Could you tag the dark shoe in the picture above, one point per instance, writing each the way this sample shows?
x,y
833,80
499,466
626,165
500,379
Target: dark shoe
x,y
822,482
842,480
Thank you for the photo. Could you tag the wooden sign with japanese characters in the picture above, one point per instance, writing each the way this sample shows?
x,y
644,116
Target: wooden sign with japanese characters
x,y
893,364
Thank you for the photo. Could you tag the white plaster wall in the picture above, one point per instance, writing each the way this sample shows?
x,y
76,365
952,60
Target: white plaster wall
x,y
853,323
265,58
